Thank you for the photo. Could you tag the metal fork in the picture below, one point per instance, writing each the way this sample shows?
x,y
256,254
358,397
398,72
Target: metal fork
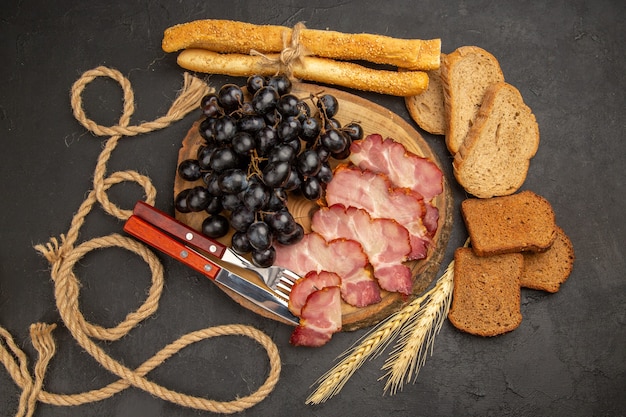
x,y
277,278
280,280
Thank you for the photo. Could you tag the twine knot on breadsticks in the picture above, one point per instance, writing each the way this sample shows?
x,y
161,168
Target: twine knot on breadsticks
x,y
64,253
293,51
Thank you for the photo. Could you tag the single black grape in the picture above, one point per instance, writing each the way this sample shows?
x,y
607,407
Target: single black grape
x,y
232,181
255,82
354,131
207,128
223,159
311,188
215,226
293,237
243,143
260,235
326,173
346,152
276,174
334,141
266,139
281,83
264,100
308,163
256,196
311,128
230,202
225,128
241,218
189,170
215,205
328,105
288,105
210,105
264,258
282,153
239,243
230,97
281,221
289,129
180,201
198,198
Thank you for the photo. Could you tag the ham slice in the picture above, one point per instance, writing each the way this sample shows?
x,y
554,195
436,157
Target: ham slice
x,y
306,285
341,256
321,317
403,168
375,194
384,241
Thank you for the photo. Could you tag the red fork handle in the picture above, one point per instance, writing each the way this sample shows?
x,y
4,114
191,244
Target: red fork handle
x,y
177,229
154,237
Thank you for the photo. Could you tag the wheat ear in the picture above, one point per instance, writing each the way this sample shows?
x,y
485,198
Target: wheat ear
x,y
418,334
372,344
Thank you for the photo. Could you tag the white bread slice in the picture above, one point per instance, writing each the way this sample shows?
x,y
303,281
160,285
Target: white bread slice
x,y
495,156
427,109
466,74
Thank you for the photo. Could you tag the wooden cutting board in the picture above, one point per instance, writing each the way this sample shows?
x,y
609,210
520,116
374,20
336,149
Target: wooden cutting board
x,y
374,119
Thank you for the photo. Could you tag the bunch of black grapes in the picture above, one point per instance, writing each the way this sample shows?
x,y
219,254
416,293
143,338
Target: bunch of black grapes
x,y
259,148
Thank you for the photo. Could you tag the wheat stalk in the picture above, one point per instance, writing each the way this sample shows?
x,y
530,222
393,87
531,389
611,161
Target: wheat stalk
x,y
418,335
372,344
422,320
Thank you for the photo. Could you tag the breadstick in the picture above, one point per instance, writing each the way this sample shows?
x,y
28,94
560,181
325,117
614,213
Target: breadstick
x,y
322,70
239,37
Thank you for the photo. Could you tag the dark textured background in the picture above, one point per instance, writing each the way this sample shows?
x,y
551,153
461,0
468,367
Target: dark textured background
x,y
568,357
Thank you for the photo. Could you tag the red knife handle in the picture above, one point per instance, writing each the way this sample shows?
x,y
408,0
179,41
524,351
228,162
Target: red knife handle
x,y
151,235
177,229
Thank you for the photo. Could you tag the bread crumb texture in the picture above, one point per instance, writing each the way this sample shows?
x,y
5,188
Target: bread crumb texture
x,y
516,223
486,297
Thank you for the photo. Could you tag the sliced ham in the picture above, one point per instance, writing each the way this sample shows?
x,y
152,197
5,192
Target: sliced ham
x,y
385,242
341,256
309,283
403,168
320,318
375,194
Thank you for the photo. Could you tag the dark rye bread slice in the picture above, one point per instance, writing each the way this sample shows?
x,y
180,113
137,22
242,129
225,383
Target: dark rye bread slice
x,y
514,223
546,271
427,109
466,74
494,158
486,296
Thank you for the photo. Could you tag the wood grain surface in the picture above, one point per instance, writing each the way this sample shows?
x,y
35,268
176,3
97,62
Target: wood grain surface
x,y
374,119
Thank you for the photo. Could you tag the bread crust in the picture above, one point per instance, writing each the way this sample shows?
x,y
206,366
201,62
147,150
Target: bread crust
x,y
466,73
546,271
427,109
516,223
486,297
227,36
309,68
495,156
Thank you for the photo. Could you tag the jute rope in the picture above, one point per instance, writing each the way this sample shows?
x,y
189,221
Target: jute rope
x,y
63,254
293,50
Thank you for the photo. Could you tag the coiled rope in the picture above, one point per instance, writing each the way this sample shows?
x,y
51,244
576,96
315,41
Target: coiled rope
x,y
63,254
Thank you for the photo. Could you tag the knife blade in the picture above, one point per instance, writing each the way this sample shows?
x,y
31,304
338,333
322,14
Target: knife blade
x,y
158,239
